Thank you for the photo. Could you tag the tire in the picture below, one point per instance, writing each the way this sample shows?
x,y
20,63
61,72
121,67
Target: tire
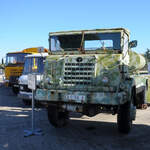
x,y
27,102
124,120
57,118
15,90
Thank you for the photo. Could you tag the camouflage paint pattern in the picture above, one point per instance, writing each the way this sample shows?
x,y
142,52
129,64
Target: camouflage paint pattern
x,y
136,62
106,84
106,66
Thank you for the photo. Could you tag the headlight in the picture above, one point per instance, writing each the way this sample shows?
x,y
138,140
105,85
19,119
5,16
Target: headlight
x,y
21,88
19,82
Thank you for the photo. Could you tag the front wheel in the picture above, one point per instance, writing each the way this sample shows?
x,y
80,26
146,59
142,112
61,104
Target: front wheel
x,y
124,119
15,90
56,117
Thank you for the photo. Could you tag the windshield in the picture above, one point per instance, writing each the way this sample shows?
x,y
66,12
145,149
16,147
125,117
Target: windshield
x,y
15,58
33,65
91,41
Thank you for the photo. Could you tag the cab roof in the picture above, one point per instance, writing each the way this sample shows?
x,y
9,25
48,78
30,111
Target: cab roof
x,y
31,50
89,31
37,55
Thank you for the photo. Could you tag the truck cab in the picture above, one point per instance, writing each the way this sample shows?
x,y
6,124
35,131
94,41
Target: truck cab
x,y
91,72
15,64
34,64
13,69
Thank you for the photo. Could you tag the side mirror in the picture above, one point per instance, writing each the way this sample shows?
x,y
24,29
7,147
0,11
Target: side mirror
x,y
133,44
2,61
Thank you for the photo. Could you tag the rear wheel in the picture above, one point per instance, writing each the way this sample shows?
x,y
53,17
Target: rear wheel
x,y
57,117
124,120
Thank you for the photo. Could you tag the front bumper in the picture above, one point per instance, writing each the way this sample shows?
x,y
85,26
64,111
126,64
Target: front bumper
x,y
108,98
25,95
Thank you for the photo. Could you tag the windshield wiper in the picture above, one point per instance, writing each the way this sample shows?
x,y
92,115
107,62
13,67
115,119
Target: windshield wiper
x,y
81,49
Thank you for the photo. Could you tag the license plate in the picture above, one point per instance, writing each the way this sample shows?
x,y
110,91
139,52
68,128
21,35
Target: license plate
x,y
78,98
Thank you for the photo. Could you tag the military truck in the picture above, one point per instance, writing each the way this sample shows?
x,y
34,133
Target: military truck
x,y
92,72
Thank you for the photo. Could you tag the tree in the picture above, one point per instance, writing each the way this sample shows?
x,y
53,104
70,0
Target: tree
x,y
147,54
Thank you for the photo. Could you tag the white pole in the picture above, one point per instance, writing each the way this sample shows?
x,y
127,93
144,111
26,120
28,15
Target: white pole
x,y
32,110
32,85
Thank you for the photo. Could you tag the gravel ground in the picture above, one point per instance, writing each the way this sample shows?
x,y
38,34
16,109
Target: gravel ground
x,y
83,133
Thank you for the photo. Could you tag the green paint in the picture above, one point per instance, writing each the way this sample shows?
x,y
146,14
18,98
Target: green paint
x,y
107,76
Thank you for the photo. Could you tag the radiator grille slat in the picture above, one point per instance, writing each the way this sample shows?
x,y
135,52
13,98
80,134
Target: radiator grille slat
x,y
78,73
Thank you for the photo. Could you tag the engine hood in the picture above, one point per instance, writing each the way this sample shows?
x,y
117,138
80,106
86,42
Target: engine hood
x,y
83,70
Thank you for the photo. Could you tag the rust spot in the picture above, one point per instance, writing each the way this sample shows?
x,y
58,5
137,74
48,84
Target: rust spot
x,y
142,106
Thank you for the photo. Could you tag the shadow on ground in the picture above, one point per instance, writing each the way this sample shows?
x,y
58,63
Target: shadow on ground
x,y
78,134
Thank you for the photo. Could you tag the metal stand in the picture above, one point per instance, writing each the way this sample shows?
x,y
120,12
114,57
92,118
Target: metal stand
x,y
32,131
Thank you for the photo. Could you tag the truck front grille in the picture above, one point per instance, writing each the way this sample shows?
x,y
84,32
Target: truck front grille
x,y
78,73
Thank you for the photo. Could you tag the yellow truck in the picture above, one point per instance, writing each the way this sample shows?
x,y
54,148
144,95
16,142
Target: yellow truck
x,y
15,64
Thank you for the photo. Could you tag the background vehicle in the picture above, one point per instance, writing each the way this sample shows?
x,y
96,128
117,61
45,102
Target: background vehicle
x,y
91,72
14,66
33,64
1,72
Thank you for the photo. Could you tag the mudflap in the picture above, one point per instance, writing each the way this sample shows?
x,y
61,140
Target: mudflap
x,y
141,99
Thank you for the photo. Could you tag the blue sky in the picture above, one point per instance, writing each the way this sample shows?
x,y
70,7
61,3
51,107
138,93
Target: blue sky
x,y
26,23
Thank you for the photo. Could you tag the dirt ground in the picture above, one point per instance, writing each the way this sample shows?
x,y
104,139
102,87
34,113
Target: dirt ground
x,y
82,133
